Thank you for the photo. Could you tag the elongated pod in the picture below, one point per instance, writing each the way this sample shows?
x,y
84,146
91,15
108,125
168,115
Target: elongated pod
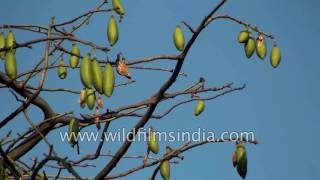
x,y
10,64
108,80
74,59
118,7
85,71
261,47
199,107
152,141
73,131
62,70
91,99
275,57
249,47
11,40
96,73
2,45
112,31
165,170
178,38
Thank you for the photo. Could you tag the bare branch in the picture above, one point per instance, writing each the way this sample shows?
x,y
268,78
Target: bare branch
x,y
175,153
4,158
70,38
188,26
255,28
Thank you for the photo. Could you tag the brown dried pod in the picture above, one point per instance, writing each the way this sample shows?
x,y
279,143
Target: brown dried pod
x,y
97,119
100,102
83,98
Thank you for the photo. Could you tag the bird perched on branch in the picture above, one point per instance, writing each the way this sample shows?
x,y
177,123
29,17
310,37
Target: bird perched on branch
x,y
122,68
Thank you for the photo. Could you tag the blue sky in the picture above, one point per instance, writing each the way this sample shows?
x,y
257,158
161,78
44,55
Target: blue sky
x,y
280,105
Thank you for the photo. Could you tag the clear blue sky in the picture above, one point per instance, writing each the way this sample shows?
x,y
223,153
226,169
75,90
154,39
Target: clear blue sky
x,y
280,105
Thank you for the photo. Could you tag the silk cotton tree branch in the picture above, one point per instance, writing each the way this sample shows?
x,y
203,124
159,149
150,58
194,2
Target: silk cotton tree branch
x,y
124,148
118,113
141,111
43,77
175,154
19,87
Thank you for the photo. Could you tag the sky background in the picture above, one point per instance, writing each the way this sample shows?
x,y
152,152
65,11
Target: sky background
x,y
281,106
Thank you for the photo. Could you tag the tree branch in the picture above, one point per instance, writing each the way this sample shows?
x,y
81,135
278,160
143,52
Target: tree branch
x,y
123,149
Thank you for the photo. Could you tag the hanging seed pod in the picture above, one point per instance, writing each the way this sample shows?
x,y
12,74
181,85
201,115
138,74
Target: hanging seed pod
x,y
123,69
91,98
83,98
261,47
152,141
2,45
112,31
249,47
199,107
10,65
62,70
241,160
85,71
165,170
74,59
96,75
178,38
97,119
275,56
73,131
243,36
118,7
11,40
108,80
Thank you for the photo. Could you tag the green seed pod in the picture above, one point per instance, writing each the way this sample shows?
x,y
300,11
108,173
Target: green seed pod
x,y
261,47
2,45
91,99
118,7
11,40
152,141
73,131
11,64
96,75
199,107
74,59
165,169
85,71
275,56
241,160
108,80
178,38
243,36
249,47
83,98
62,70
112,31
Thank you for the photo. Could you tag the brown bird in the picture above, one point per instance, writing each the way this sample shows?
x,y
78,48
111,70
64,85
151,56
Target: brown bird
x,y
122,68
